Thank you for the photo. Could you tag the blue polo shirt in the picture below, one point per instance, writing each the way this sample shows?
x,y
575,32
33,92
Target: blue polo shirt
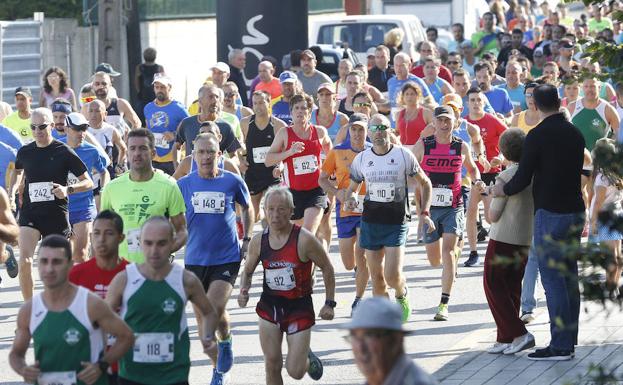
x,y
10,137
164,118
7,156
499,99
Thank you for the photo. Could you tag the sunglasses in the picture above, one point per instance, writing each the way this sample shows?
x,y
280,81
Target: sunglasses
x,y
453,62
378,127
230,94
362,105
87,99
529,94
39,126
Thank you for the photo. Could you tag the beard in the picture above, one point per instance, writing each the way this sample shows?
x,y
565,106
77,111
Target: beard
x,y
161,97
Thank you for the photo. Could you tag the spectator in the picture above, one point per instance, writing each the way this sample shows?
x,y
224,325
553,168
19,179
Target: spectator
x,y
516,43
458,35
143,78
382,71
237,62
376,334
309,76
485,40
598,22
498,97
393,41
56,85
538,61
268,83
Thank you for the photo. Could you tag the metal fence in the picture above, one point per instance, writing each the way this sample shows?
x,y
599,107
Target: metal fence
x,y
20,57
189,9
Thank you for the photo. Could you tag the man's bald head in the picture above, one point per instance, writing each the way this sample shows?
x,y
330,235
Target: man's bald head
x,y
265,71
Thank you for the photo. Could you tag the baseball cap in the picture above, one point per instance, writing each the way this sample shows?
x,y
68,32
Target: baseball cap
x,y
326,86
288,77
223,67
23,91
310,53
162,79
77,121
444,111
377,313
358,118
453,100
371,51
105,67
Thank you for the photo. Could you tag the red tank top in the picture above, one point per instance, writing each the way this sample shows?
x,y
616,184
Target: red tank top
x,y
410,130
285,275
303,169
442,163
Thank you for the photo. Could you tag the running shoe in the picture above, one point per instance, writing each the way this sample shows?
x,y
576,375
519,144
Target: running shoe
x,y
472,260
12,267
498,348
315,366
217,378
404,304
225,358
442,312
354,305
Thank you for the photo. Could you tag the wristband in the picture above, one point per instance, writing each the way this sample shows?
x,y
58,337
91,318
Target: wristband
x,y
425,213
103,365
247,239
330,303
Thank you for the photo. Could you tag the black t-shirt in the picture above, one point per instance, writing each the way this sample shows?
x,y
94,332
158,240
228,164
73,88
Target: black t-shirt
x,y
189,129
43,166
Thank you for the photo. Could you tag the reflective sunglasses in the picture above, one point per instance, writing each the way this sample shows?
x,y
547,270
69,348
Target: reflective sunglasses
x,y
39,126
378,127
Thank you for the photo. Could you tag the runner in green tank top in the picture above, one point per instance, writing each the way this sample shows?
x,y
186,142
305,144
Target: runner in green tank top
x,y
152,297
594,117
61,321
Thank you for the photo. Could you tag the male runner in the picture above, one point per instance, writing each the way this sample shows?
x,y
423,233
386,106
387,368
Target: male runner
x,y
442,157
66,324
162,117
299,147
9,231
594,116
348,222
387,168
45,163
213,253
82,208
144,192
118,110
290,86
287,252
259,131
97,273
152,297
491,128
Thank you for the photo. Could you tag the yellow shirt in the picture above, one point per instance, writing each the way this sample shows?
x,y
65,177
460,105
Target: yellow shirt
x,y
19,125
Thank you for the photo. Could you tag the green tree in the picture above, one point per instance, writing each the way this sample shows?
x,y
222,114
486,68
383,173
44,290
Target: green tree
x,y
23,9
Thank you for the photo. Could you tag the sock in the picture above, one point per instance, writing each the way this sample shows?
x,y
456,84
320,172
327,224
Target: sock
x,y
445,298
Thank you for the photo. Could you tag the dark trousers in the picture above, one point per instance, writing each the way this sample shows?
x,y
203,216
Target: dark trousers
x,y
504,268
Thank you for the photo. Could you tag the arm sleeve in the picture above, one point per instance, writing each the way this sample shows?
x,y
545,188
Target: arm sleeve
x,y
527,165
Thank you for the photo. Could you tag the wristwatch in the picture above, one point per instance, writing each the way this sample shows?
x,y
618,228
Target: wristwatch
x,y
70,190
103,365
247,239
330,303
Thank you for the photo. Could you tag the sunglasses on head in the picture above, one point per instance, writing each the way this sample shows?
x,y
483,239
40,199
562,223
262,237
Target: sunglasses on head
x,y
87,99
39,126
378,127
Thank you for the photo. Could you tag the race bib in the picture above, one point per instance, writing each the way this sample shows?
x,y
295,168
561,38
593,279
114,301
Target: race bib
x,y
57,378
359,204
208,202
72,179
134,238
381,192
305,165
40,192
280,279
153,347
160,141
259,154
442,197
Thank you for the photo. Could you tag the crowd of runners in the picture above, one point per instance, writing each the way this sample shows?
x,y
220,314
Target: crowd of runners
x,y
103,194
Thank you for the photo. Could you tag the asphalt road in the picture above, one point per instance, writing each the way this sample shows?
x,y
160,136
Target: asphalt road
x,y
432,344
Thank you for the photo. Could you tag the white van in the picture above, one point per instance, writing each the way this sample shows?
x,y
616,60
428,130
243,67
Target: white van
x,y
361,32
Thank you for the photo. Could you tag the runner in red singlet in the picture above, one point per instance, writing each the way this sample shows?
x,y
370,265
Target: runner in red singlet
x,y
299,147
287,252
414,118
